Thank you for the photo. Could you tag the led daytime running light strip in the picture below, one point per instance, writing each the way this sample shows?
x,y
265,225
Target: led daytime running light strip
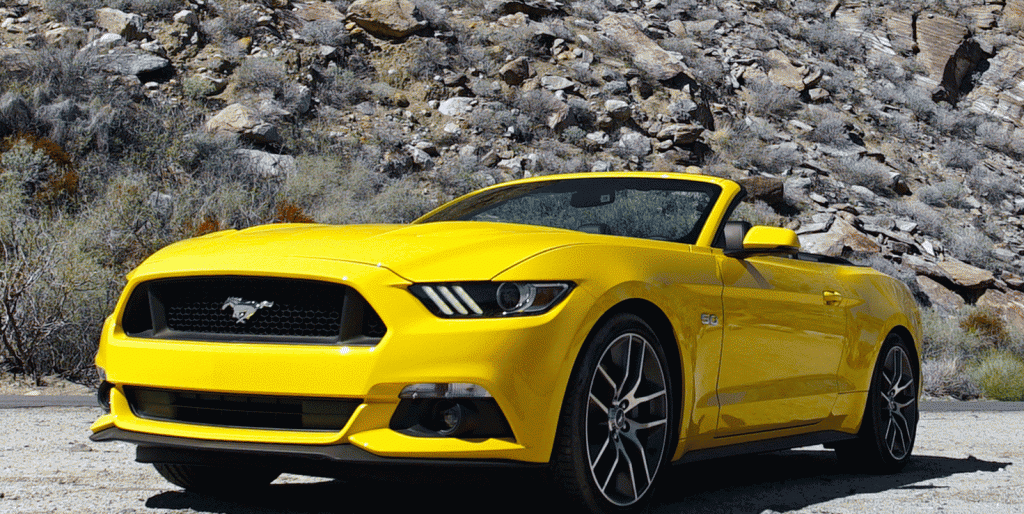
x,y
446,307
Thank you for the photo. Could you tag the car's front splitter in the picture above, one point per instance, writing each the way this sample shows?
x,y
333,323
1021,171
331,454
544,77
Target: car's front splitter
x,y
325,460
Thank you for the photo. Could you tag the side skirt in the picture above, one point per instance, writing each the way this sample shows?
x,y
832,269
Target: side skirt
x,y
767,445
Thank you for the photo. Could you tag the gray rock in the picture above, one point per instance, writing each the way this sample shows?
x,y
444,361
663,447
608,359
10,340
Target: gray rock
x,y
634,144
389,18
266,164
681,133
515,72
618,110
318,11
129,26
600,166
187,17
457,106
556,83
244,122
628,31
129,61
420,157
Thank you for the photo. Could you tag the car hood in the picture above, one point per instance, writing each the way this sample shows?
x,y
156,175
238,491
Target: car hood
x,y
441,251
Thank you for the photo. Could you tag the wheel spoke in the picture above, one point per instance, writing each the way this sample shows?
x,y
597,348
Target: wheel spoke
x,y
632,437
629,466
593,399
636,402
597,459
611,472
600,369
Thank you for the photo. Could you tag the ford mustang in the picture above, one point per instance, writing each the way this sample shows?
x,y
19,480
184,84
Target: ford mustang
x,y
598,326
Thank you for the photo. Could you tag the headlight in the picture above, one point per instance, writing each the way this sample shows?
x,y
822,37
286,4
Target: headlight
x,y
490,299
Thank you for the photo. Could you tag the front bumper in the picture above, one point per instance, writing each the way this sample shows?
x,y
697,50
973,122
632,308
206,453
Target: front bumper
x,y
523,362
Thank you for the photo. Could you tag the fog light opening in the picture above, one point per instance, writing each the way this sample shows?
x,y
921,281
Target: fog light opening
x,y
452,419
103,395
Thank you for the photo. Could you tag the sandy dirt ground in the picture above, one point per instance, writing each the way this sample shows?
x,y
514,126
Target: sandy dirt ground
x,y
966,462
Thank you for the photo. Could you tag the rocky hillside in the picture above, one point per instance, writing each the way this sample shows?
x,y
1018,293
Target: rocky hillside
x,y
885,133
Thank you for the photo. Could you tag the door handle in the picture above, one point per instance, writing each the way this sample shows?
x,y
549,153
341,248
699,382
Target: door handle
x,y
832,297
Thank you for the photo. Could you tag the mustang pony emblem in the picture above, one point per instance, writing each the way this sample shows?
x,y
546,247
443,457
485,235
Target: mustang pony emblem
x,y
241,309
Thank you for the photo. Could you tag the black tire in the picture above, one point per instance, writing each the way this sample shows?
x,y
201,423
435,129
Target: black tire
x,y
886,438
616,432
216,480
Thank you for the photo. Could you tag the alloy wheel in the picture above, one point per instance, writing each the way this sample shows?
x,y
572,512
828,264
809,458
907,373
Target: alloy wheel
x,y
627,419
899,403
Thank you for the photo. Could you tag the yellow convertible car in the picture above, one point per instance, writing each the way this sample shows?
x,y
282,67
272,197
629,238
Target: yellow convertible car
x,y
600,326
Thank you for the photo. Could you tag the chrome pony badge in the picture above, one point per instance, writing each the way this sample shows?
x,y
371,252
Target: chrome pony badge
x,y
241,309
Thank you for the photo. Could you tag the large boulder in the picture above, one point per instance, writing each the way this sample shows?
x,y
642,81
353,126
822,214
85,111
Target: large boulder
x,y
628,31
939,296
390,18
947,52
967,276
245,123
131,61
266,164
784,71
841,238
126,25
992,96
318,11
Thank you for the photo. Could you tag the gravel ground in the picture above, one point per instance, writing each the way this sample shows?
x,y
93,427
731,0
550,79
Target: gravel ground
x,y
966,462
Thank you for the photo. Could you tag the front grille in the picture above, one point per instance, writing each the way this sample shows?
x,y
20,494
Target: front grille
x,y
241,410
251,309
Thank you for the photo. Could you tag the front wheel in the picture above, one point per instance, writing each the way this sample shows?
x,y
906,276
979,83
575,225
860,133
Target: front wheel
x,y
887,433
616,426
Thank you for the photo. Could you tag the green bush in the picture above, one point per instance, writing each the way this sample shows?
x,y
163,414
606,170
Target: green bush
x,y
1000,375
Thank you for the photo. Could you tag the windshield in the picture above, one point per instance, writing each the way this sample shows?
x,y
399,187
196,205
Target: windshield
x,y
663,209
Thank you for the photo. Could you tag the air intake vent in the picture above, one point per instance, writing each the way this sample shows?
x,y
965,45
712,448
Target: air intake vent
x,y
241,410
251,309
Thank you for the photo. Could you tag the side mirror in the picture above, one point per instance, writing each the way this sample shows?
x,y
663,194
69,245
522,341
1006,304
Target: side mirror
x,y
766,240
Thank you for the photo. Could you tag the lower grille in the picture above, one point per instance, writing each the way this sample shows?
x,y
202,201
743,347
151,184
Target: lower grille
x,y
241,410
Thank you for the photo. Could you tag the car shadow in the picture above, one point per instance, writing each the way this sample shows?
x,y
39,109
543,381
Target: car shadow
x,y
792,480
781,481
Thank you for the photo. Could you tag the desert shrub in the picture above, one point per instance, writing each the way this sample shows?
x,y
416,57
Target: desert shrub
x,y
831,39
865,172
341,88
289,212
987,325
431,59
767,98
960,155
156,9
52,297
326,32
992,186
1000,376
830,129
971,245
75,12
946,376
949,193
261,74
928,220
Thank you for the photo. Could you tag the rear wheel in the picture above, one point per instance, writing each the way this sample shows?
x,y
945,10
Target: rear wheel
x,y
616,426
214,479
887,433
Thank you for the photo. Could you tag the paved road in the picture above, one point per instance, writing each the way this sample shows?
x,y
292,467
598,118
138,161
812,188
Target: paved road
x,y
966,462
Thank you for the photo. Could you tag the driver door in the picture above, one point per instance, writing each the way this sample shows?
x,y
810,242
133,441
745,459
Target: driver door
x,y
783,339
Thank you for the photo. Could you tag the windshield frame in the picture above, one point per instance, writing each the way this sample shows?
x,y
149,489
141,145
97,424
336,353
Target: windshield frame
x,y
490,198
